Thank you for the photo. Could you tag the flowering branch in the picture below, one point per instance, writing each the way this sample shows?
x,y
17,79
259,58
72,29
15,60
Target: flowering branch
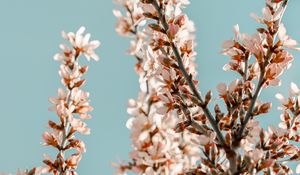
x,y
70,103
173,131
157,147
262,76
235,144
271,61
187,76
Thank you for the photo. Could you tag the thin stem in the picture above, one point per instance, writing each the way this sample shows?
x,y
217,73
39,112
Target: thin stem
x,y
213,164
65,134
260,83
67,123
187,115
134,31
295,115
188,78
245,75
252,104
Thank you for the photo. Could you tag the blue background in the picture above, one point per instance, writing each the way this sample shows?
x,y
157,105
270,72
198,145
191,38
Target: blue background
x,y
30,35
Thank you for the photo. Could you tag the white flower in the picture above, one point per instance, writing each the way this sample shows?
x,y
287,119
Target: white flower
x,y
268,15
222,89
79,125
286,40
254,43
82,44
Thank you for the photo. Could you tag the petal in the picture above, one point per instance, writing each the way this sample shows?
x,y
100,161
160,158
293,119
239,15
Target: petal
x,y
86,39
64,35
78,41
222,88
298,169
143,136
95,56
117,13
227,44
162,110
80,31
236,30
281,98
233,85
281,32
94,44
256,17
129,122
294,90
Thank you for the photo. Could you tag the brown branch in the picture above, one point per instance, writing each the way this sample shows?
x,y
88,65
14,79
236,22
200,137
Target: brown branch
x,y
246,60
259,85
252,103
134,30
188,77
66,132
188,116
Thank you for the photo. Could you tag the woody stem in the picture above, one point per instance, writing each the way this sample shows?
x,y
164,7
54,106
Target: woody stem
x,y
188,78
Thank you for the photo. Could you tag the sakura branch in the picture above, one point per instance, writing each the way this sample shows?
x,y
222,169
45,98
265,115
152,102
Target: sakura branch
x,y
270,60
230,142
176,130
71,106
158,149
279,29
172,29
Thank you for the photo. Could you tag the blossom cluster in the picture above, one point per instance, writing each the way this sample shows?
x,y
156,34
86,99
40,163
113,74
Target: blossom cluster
x,y
71,105
176,129
230,142
160,145
261,57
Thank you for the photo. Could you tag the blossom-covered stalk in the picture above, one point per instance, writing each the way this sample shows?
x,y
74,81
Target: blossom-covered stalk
x,y
260,57
289,129
158,146
71,106
230,142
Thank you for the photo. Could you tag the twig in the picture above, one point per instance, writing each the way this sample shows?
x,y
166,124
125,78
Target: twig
x,y
67,125
188,78
259,85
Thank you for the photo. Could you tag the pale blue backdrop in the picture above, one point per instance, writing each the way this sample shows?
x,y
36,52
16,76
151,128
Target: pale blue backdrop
x,y
30,34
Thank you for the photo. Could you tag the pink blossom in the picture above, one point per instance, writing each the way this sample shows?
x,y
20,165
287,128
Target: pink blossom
x,y
82,44
171,119
222,89
73,161
285,39
79,125
70,103
281,98
256,155
173,30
